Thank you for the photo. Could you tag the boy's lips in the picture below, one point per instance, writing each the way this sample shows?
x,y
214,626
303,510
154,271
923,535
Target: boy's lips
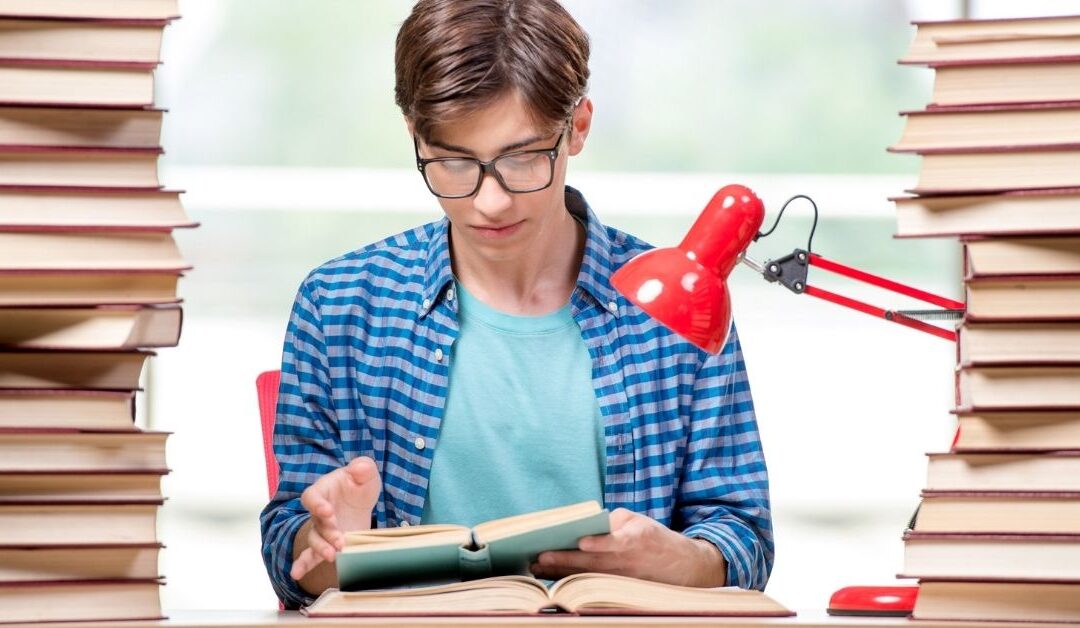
x,y
497,231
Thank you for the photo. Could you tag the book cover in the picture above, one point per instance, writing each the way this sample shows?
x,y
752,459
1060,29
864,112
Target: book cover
x,y
433,553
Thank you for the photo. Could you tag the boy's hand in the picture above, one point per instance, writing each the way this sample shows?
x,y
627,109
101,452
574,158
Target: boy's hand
x,y
339,501
640,547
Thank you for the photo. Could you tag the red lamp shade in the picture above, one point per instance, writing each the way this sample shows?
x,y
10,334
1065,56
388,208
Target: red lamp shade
x,y
685,287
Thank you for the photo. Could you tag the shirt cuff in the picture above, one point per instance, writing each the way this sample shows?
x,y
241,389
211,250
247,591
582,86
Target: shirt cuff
x,y
288,590
733,549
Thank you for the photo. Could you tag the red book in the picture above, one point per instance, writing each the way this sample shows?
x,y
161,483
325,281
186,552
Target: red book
x,y
994,39
40,451
1023,256
79,562
84,409
76,83
101,600
1036,386
74,286
67,125
68,368
1023,298
991,169
74,40
79,166
1017,431
1004,471
92,9
77,248
1000,557
1018,342
104,327
942,600
85,485
975,126
1012,80
1015,212
51,208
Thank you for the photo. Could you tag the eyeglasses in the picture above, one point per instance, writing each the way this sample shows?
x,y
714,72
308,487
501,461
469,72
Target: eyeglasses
x,y
518,172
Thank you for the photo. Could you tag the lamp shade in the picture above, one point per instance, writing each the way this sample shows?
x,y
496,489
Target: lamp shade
x,y
685,287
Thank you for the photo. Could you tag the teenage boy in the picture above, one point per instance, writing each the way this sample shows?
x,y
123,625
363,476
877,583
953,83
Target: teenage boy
x,y
482,366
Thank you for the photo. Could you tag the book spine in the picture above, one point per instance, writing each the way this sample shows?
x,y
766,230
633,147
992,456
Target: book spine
x,y
475,563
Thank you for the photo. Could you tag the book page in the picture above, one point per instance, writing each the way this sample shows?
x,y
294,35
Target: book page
x,y
596,593
411,536
505,594
490,531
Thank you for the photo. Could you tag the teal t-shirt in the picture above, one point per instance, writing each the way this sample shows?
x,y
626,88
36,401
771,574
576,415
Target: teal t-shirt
x,y
522,429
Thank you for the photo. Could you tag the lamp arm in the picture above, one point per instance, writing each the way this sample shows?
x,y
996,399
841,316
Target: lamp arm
x,y
791,271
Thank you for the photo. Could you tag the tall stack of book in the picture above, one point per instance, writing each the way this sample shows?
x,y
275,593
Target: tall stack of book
x,y
998,534
88,282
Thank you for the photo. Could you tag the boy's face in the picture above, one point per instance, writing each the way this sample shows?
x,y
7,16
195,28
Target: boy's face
x,y
494,224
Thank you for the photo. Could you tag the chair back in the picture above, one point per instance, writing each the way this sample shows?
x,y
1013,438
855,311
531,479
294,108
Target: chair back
x,y
267,386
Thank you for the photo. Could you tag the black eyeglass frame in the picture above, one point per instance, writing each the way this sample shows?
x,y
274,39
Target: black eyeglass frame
x,y
488,167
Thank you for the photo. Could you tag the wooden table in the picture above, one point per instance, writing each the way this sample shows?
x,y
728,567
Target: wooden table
x,y
272,619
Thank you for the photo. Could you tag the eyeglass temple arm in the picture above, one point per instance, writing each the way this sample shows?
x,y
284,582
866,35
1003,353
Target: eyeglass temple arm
x,y
791,272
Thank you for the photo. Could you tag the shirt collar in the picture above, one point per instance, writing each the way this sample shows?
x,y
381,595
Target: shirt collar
x,y
594,278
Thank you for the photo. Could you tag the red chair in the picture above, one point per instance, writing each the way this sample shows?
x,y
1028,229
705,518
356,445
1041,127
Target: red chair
x,y
267,386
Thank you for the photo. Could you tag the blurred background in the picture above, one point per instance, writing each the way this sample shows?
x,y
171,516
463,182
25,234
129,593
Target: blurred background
x,y
283,131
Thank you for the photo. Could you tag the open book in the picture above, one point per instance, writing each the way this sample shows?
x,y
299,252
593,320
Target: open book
x,y
582,594
440,553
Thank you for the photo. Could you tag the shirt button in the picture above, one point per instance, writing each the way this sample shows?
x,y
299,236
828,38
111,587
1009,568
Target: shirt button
x,y
427,303
450,294
419,443
612,307
438,355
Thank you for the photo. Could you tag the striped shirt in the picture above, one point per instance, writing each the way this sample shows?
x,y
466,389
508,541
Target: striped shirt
x,y
365,369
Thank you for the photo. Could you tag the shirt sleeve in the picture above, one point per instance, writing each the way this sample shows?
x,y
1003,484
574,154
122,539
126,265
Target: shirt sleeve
x,y
724,492
307,441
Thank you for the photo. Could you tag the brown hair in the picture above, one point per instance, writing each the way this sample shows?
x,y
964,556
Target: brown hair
x,y
454,57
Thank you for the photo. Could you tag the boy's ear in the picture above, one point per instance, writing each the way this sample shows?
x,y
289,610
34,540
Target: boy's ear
x,y
580,123
409,126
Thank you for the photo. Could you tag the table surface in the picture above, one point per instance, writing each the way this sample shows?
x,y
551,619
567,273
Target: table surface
x,y
270,619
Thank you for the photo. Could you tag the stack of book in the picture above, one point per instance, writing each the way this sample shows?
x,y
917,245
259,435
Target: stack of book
x,y
998,534
88,282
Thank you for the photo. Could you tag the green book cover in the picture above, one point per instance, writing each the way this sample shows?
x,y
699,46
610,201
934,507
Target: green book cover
x,y
513,555
419,556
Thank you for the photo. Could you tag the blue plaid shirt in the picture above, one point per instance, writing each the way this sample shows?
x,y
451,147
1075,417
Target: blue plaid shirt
x,y
364,373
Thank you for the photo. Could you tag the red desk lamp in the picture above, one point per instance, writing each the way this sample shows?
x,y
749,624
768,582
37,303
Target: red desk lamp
x,y
685,289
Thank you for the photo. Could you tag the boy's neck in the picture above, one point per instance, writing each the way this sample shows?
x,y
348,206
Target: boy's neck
x,y
538,282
